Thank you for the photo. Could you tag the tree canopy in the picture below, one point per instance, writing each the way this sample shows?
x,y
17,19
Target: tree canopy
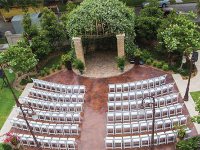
x,y
179,33
96,17
53,29
19,57
148,22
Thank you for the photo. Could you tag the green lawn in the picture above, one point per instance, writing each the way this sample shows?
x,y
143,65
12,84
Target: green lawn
x,y
6,99
195,95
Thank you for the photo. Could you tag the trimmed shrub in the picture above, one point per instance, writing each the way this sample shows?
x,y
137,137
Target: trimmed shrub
x,y
189,144
145,55
78,64
165,67
154,63
59,66
159,64
148,61
54,67
42,73
121,63
4,146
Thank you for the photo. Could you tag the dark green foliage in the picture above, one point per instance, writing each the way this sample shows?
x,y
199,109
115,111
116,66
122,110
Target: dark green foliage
x,y
148,61
165,67
5,146
121,63
78,64
190,144
54,30
133,2
145,55
159,64
40,45
148,22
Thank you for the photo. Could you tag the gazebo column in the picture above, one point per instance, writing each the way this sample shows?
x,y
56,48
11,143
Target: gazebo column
x,y
120,45
79,49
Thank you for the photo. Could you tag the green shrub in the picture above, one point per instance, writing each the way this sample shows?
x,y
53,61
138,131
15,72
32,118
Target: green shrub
x,y
138,52
189,144
165,67
148,61
4,146
154,63
78,64
159,64
145,55
54,67
42,73
68,57
25,81
120,63
59,66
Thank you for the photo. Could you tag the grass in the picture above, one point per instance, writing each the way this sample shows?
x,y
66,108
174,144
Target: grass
x,y
6,99
195,95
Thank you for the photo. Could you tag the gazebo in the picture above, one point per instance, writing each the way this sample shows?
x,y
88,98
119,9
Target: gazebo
x,y
101,18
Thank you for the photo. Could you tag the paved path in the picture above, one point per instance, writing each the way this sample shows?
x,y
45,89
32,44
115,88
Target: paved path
x,y
184,7
194,86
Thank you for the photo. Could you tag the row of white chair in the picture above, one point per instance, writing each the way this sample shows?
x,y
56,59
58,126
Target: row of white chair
x,y
129,105
51,96
55,87
55,116
138,85
48,128
145,126
48,142
141,94
52,106
144,114
128,142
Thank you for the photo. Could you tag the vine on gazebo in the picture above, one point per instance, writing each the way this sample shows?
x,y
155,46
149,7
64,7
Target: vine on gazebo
x,y
101,18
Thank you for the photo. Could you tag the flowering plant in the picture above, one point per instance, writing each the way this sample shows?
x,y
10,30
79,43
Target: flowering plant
x,y
12,139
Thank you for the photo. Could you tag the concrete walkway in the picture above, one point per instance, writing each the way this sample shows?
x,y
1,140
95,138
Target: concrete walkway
x,y
194,86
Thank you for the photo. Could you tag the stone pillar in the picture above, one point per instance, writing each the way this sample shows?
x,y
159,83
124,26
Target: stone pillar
x,y
79,49
120,45
12,38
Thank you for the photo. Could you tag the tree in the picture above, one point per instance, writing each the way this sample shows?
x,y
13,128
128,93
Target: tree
x,y
40,45
20,59
53,29
178,33
30,30
148,22
96,17
107,17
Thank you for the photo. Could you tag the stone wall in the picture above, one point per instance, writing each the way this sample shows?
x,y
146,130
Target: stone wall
x,y
12,38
